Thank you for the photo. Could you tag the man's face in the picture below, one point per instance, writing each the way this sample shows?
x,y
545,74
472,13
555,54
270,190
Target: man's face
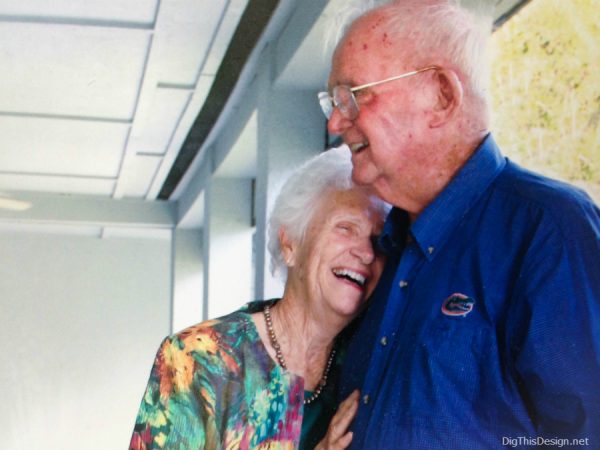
x,y
389,138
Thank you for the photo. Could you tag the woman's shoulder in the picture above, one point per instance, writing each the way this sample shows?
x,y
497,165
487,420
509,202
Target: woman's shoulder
x,y
231,330
213,330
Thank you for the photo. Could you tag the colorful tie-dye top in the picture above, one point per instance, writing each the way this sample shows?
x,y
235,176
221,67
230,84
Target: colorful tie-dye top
x,y
214,386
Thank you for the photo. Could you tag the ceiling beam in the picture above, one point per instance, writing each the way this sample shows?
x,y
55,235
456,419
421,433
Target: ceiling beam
x,y
254,20
40,208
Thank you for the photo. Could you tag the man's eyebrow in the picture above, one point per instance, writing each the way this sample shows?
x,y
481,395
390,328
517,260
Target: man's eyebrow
x,y
338,82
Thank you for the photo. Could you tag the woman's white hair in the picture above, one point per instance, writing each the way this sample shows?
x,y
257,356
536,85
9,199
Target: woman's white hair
x,y
300,195
459,35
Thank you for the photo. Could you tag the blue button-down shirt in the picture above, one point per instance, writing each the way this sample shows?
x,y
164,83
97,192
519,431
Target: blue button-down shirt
x,y
485,325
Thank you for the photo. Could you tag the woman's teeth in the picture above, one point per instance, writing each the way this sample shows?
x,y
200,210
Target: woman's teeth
x,y
350,275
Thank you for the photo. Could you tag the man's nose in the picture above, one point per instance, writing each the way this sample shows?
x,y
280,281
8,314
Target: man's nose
x,y
337,123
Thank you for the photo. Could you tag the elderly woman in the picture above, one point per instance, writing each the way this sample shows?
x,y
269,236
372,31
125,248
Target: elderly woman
x,y
260,378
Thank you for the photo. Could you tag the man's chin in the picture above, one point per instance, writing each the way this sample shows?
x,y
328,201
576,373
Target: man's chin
x,y
374,184
362,177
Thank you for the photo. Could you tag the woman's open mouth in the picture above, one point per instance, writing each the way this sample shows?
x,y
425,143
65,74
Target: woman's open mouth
x,y
354,277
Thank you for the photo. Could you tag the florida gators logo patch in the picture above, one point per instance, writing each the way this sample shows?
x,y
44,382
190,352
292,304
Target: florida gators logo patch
x,y
458,305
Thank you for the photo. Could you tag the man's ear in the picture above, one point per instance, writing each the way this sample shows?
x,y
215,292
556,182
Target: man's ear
x,y
449,97
288,247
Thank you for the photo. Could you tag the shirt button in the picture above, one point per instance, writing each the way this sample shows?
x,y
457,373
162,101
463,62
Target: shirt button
x,y
365,399
383,341
431,250
403,283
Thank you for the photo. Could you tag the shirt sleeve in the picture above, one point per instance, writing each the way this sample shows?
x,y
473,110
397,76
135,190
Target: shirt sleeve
x,y
555,331
170,415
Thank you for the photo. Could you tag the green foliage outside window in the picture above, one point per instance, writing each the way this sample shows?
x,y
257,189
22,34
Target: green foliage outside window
x,y
546,90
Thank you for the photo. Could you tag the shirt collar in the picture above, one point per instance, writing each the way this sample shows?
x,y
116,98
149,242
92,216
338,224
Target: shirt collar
x,y
435,223
393,236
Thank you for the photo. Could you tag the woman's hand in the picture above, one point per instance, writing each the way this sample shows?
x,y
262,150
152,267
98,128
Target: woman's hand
x,y
338,437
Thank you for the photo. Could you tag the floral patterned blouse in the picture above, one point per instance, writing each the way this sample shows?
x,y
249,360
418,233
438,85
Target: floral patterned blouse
x,y
214,386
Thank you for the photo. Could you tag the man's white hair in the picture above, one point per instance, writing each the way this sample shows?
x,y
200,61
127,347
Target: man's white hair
x,y
457,34
301,195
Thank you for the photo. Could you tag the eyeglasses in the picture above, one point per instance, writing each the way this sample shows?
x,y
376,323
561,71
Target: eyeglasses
x,y
343,96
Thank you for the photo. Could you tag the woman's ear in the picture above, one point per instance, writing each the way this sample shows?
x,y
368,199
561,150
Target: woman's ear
x,y
449,97
288,247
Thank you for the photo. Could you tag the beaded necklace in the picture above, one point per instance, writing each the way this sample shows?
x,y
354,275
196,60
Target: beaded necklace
x,y
281,360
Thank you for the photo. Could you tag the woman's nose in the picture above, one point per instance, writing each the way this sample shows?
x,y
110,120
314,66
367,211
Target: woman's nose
x,y
364,251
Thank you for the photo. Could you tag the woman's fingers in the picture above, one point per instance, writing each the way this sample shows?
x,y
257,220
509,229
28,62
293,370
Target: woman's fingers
x,y
345,440
344,415
338,437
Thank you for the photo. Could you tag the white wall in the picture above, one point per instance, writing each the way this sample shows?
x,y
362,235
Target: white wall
x,y
291,129
228,245
81,319
188,285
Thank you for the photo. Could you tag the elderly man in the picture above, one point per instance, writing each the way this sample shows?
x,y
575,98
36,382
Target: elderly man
x,y
484,331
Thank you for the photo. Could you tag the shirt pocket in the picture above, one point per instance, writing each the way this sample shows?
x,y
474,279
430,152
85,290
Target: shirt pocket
x,y
455,354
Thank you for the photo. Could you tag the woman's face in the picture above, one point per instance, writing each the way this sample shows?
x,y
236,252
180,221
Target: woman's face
x,y
336,265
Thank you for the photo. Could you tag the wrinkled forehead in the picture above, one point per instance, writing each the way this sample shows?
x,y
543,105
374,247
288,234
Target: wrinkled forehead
x,y
356,200
369,29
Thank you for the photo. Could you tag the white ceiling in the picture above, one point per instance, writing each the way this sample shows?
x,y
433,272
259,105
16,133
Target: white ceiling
x,y
98,95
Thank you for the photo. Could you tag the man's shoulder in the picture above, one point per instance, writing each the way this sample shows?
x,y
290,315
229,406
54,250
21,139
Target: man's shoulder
x,y
539,188
548,199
